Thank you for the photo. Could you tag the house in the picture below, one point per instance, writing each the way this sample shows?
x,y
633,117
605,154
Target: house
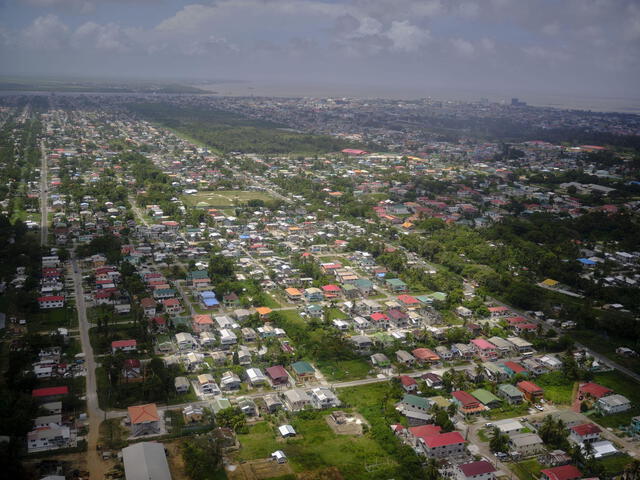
x,y
145,461
613,404
51,301
404,357
207,339
48,437
230,381
220,403
510,393
433,380
526,444
144,419
278,375
487,398
124,346
380,360
48,394
480,470
192,414
131,369
466,402
521,345
443,445
313,294
584,433
293,294
396,285
185,341
202,323
207,384
513,368
148,307
272,402
532,392
564,472
255,376
231,300
425,355
296,399
362,343
593,391
172,306
415,435
503,347
408,383
463,351
303,370
484,349
181,384
244,355
263,313
227,338
398,318
509,426
249,334
444,353
493,372
286,431
323,397
413,403
248,406
208,300
364,286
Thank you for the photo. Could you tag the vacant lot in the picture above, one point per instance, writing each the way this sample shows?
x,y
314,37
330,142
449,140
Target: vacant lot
x,y
224,199
317,447
556,387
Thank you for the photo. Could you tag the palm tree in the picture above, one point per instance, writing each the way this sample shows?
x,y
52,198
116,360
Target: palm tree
x,y
632,470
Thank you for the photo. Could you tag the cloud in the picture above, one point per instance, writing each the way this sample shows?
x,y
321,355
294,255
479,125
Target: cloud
x,y
109,37
45,33
463,47
406,37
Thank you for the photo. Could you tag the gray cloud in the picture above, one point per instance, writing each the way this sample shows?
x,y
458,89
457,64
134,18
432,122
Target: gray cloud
x,y
540,44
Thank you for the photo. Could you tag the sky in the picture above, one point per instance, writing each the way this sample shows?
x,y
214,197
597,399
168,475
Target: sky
x,y
564,47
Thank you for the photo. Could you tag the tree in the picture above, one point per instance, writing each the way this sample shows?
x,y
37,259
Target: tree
x,y
233,418
202,457
499,441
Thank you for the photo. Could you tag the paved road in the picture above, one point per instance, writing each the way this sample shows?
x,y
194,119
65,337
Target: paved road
x,y
44,202
95,464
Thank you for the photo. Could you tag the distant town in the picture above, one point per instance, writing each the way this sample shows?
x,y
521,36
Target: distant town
x,y
206,287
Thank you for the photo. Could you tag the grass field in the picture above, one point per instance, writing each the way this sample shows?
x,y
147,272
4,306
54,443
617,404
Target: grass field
x,y
225,200
527,470
316,447
556,388
607,347
614,465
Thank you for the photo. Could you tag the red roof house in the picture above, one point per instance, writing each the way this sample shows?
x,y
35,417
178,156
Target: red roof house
x,y
564,472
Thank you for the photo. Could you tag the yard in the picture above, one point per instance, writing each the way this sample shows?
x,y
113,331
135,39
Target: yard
x,y
527,469
615,464
607,347
46,320
316,447
341,370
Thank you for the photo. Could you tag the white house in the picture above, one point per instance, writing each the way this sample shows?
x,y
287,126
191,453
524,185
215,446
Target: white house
x,y
611,404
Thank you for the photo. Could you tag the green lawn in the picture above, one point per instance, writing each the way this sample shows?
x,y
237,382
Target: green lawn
x,y
527,469
52,319
623,385
341,370
509,411
615,464
316,447
224,198
556,387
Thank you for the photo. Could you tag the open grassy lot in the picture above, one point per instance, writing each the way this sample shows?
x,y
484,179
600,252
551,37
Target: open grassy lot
x,y
345,369
317,447
51,319
556,387
527,469
224,199
615,464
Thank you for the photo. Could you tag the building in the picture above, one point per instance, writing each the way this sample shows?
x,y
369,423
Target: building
x,y
526,444
480,470
611,404
532,392
144,419
49,437
323,397
467,403
51,301
585,433
303,370
208,385
593,391
511,394
564,472
278,375
256,377
145,461
181,384
296,399
487,398
443,445
124,346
